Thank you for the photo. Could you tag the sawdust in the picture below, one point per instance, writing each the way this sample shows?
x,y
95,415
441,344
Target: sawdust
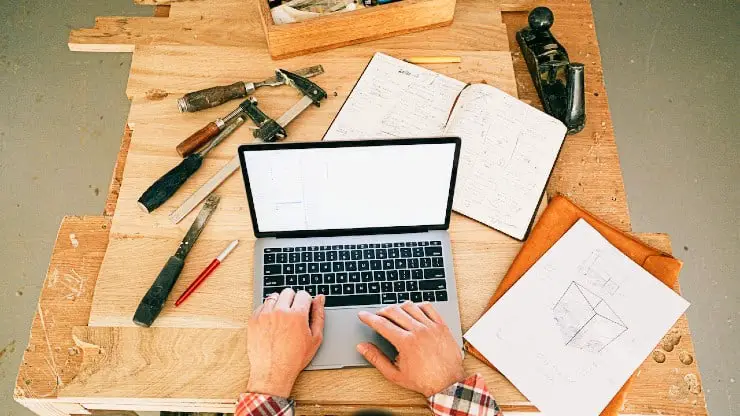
x,y
692,382
156,94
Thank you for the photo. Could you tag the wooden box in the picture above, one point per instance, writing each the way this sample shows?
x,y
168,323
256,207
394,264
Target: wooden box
x,y
347,28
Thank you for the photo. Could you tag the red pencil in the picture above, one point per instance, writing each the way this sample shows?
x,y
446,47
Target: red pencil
x,y
205,273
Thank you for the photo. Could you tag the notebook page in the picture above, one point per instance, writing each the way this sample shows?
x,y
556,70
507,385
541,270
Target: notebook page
x,y
394,98
508,151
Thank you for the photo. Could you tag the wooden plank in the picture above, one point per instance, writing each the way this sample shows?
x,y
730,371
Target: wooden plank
x,y
115,183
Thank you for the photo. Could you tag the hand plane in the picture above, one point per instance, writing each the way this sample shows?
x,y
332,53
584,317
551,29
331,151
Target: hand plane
x,y
559,83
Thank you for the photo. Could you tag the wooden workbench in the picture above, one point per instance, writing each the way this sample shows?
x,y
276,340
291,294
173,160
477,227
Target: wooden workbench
x,y
83,353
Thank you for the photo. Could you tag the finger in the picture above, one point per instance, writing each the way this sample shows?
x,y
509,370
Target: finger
x,y
432,313
317,316
413,309
399,317
270,302
374,356
301,302
383,326
286,299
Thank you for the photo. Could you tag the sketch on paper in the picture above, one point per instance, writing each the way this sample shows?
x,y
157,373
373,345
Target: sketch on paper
x,y
585,320
600,272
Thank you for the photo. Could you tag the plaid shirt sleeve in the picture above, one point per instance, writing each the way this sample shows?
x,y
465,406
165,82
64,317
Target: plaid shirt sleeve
x,y
466,398
255,404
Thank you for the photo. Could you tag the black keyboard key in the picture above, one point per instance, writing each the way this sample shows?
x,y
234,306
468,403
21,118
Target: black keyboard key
x,y
271,269
337,266
425,262
274,289
350,266
400,263
373,287
311,289
399,286
435,273
433,251
342,278
354,277
398,244
356,254
330,278
416,297
381,253
363,265
300,249
301,268
403,297
337,247
298,288
389,298
350,246
379,276
437,262
412,286
323,290
291,280
282,257
435,243
294,257
417,274
271,281
405,252
352,300
325,267
269,258
391,274
304,279
434,284
316,279
418,251
344,255
313,268
271,250
386,245
428,296
393,253
441,296
413,263
313,248
423,243
386,286
411,244
368,254
336,289
288,249
348,289
288,268
362,246
387,264
307,257
361,288
319,256
366,277
375,265
326,247
332,256
404,274
375,245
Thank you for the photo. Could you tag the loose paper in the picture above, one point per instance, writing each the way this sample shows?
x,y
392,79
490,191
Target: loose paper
x,y
574,328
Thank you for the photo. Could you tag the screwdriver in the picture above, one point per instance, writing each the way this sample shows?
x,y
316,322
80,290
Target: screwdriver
x,y
170,182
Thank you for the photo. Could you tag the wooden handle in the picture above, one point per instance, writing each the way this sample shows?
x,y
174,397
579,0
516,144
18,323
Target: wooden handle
x,y
197,139
211,97
167,185
153,301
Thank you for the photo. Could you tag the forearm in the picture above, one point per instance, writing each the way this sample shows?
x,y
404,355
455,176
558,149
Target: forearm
x,y
263,405
468,397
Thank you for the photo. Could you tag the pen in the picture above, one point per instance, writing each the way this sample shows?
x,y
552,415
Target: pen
x,y
205,273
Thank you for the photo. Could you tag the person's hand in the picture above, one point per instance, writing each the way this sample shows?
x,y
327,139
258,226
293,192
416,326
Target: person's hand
x,y
281,342
429,360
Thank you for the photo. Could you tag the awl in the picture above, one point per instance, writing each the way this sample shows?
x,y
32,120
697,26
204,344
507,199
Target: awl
x,y
153,301
214,96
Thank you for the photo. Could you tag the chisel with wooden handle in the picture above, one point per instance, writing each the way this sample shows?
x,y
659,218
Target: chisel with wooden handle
x,y
215,96
153,301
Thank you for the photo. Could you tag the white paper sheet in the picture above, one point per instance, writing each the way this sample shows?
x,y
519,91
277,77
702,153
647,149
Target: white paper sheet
x,y
574,328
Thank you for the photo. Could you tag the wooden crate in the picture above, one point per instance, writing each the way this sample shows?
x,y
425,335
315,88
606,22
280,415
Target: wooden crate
x,y
347,28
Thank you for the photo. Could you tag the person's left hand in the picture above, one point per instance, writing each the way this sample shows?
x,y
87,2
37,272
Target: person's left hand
x,y
281,342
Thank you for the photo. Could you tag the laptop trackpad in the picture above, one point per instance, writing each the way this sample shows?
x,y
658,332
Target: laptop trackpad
x,y
343,330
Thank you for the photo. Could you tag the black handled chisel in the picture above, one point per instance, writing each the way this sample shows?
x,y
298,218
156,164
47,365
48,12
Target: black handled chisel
x,y
153,301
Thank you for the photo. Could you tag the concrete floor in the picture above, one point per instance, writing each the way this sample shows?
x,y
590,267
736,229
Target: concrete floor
x,y
669,75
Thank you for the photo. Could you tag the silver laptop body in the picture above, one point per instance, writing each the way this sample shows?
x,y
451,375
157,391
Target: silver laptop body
x,y
394,259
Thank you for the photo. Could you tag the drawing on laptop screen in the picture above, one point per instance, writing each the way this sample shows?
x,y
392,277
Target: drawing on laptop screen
x,y
350,187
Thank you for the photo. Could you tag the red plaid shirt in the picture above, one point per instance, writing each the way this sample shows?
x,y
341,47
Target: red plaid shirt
x,y
468,397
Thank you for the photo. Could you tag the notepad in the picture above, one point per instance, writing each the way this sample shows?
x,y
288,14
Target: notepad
x,y
577,324
508,147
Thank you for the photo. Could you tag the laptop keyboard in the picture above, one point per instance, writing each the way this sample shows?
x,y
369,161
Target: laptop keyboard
x,y
359,274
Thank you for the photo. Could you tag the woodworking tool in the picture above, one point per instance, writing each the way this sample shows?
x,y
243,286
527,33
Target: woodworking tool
x,y
215,96
153,301
268,130
205,273
559,83
170,182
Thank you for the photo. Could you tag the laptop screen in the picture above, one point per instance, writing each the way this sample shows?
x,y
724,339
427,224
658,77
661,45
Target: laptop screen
x,y
337,187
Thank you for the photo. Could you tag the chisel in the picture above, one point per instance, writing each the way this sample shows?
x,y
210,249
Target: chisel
x,y
153,301
167,185
214,96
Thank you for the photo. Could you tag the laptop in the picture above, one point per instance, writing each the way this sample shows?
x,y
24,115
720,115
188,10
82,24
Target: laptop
x,y
363,222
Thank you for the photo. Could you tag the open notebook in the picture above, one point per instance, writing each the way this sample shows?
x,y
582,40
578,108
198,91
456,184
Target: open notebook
x,y
508,148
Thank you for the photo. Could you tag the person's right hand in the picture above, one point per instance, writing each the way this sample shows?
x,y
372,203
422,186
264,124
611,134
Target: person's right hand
x,y
429,360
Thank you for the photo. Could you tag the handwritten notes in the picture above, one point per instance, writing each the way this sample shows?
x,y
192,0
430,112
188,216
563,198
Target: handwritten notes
x,y
508,148
574,328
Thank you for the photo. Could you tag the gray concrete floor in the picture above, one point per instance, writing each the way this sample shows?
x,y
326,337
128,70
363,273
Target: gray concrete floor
x,y
672,87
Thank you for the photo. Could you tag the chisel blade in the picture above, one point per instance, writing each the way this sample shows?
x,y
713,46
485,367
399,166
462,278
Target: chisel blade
x,y
308,72
200,222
